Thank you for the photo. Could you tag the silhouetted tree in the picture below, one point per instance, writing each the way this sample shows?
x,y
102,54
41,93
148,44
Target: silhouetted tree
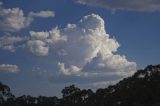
x,y
5,93
71,96
141,89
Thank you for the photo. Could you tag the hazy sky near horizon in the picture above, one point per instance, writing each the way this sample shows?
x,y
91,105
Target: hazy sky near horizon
x,y
48,44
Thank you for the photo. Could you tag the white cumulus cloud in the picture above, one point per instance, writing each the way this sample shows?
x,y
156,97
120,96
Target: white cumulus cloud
x,y
39,35
40,42
82,51
67,71
85,46
81,44
38,47
9,68
14,19
88,42
43,14
9,42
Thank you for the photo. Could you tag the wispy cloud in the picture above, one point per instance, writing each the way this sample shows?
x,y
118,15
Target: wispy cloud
x,y
133,5
42,14
9,68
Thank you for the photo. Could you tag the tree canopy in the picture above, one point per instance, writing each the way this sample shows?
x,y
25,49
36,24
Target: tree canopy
x,y
141,89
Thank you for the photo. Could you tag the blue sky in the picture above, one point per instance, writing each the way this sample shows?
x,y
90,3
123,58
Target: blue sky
x,y
48,44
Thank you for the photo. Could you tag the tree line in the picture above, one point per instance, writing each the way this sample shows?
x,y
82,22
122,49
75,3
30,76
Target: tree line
x,y
141,89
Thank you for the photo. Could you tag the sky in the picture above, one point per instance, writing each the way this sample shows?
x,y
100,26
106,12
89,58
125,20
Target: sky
x,y
46,45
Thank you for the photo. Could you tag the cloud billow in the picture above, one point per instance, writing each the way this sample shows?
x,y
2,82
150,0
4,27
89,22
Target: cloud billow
x,y
40,42
10,43
14,19
85,50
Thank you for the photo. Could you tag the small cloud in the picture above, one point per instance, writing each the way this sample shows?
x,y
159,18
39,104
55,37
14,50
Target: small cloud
x,y
42,14
68,71
103,84
9,68
9,42
38,47
40,42
39,71
39,35
14,19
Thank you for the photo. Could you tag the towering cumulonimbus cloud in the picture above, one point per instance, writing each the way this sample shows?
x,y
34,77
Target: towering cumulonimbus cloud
x,y
81,51
88,42
84,49
133,5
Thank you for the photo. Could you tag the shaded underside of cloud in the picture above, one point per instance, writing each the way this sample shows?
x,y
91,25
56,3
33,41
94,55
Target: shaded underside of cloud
x,y
134,5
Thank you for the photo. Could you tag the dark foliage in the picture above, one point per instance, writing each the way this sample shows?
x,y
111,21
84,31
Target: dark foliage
x,y
141,89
